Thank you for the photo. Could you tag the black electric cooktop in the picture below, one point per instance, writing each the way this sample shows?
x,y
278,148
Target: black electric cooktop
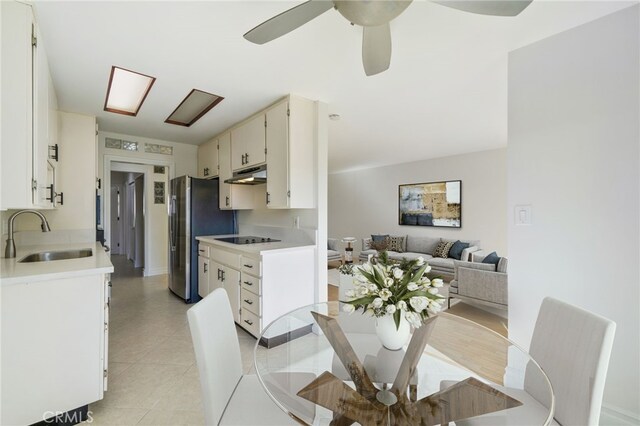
x,y
251,239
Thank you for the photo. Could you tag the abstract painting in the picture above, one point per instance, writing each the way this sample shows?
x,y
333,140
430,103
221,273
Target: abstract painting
x,y
431,204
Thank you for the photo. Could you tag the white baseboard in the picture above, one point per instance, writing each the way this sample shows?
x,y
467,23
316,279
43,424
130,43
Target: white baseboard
x,y
615,416
155,271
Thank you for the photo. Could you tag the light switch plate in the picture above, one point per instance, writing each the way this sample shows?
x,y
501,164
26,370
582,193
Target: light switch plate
x,y
522,214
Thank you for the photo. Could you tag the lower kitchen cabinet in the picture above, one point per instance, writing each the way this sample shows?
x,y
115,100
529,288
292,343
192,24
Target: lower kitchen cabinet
x,y
264,283
203,276
54,346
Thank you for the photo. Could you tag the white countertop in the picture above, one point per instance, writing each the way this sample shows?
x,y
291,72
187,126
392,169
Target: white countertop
x,y
12,272
256,249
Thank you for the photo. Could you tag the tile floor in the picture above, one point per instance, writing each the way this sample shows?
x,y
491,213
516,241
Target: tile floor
x,y
153,378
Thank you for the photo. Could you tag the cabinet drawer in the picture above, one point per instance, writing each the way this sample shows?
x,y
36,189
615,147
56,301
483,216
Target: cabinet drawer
x,y
251,266
252,284
251,322
204,250
226,257
251,302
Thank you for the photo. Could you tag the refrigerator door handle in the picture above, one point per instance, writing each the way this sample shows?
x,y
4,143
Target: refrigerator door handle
x,y
172,227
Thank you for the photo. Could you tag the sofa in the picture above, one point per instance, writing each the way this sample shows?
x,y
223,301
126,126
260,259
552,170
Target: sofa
x,y
484,283
333,253
415,247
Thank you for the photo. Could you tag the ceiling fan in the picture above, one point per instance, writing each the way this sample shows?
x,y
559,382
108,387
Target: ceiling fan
x,y
374,17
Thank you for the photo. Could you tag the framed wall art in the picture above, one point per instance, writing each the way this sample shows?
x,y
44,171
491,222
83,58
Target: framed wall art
x,y
431,204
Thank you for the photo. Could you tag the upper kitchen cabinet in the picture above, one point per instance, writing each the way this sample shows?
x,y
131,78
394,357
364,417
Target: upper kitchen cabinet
x,y
248,147
290,154
27,103
232,197
208,159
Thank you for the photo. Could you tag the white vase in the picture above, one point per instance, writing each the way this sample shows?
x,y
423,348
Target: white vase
x,y
391,337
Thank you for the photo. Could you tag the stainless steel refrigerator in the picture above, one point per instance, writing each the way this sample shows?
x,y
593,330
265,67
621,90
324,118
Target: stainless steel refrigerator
x,y
194,211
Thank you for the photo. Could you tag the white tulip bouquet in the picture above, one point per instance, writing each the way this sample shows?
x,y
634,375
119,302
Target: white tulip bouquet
x,y
384,288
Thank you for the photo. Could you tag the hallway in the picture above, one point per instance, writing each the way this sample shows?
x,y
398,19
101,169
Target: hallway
x,y
153,378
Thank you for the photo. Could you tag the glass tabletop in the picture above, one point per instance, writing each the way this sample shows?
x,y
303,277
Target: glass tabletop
x,y
326,366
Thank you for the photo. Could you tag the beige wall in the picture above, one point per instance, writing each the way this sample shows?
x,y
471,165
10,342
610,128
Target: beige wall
x,y
365,202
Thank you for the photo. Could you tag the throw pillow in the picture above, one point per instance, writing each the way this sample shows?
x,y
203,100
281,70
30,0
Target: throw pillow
x,y
366,244
396,243
492,258
379,238
442,250
457,248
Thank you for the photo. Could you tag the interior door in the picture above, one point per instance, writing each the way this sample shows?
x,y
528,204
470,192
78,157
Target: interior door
x,y
139,221
116,219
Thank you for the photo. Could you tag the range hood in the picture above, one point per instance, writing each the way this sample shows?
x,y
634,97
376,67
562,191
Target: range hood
x,y
251,176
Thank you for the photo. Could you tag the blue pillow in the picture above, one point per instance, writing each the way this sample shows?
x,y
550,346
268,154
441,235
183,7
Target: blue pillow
x,y
379,238
492,259
457,248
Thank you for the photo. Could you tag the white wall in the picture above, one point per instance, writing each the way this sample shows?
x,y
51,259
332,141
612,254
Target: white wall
x,y
182,162
573,155
75,177
365,202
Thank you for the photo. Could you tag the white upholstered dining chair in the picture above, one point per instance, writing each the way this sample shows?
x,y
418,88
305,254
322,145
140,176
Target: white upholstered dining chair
x,y
573,347
228,397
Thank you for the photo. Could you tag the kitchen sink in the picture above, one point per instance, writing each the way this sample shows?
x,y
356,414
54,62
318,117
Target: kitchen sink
x,y
48,256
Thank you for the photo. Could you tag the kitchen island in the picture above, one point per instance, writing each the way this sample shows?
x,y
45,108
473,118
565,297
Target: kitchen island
x,y
54,324
263,280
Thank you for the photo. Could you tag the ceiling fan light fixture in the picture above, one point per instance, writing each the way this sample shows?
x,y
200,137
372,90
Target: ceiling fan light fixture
x,y
195,105
126,91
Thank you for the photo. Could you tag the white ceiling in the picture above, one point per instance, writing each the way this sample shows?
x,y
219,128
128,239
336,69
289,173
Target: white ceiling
x,y
445,93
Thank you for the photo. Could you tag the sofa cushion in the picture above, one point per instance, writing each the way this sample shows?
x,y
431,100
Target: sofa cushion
x,y
397,243
442,249
378,238
441,263
364,254
422,244
471,265
471,243
410,256
502,265
457,248
492,258
333,255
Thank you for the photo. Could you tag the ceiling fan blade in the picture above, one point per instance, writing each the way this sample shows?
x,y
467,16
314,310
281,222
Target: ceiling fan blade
x,y
376,49
287,21
488,7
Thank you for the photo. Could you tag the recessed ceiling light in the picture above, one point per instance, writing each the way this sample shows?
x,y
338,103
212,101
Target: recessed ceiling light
x,y
334,117
193,107
127,91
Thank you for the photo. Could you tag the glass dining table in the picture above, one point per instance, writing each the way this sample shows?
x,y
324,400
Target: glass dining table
x,y
328,367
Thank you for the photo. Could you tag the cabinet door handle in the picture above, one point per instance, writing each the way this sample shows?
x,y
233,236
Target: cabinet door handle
x,y
227,200
223,275
249,322
52,194
268,198
219,274
248,266
249,302
206,171
248,283
246,157
206,269
54,155
61,195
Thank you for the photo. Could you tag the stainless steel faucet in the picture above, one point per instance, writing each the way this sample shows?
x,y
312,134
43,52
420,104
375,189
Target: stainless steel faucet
x,y
10,250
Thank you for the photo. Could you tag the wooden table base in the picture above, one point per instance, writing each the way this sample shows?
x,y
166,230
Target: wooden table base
x,y
468,398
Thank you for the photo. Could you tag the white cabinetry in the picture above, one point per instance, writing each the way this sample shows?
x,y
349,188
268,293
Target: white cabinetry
x,y
261,285
208,159
54,346
28,103
290,154
232,197
203,276
248,146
